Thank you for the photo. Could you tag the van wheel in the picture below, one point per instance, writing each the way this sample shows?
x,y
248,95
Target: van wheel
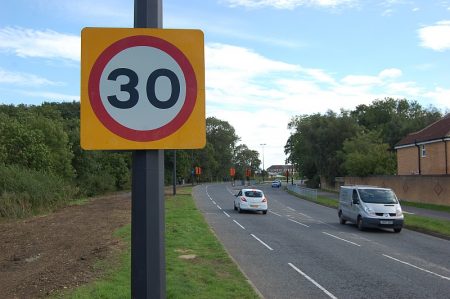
x,y
264,212
359,223
397,230
341,219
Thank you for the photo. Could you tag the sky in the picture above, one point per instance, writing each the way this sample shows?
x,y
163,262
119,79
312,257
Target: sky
x,y
266,61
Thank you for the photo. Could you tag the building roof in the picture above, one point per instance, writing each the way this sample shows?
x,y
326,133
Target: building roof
x,y
436,131
278,167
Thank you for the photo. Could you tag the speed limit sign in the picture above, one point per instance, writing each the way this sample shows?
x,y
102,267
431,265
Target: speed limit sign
x,y
142,89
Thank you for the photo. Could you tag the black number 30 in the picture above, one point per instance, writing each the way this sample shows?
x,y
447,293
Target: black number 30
x,y
133,93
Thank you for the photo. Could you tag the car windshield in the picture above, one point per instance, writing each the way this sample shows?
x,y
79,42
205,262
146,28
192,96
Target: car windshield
x,y
253,193
377,196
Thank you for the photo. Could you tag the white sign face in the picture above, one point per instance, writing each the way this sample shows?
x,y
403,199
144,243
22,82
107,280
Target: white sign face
x,y
142,88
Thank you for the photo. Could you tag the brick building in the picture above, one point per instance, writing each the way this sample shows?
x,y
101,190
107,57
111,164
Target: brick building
x,y
426,152
274,170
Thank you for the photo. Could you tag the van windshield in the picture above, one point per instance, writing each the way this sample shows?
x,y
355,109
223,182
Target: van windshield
x,y
377,196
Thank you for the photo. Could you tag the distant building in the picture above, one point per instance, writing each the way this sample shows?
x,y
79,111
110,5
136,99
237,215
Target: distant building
x,y
427,151
275,170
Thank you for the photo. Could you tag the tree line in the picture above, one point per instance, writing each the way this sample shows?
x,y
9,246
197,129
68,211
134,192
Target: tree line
x,y
357,142
42,165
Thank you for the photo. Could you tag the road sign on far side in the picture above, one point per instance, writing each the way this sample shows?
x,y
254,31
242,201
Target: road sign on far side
x,y
142,88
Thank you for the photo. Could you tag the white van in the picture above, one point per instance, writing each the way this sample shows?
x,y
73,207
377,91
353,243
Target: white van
x,y
369,206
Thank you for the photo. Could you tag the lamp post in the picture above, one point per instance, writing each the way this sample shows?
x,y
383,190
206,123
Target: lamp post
x,y
263,144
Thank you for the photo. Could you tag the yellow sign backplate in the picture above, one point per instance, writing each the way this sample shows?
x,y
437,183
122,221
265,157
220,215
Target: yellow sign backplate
x,y
142,88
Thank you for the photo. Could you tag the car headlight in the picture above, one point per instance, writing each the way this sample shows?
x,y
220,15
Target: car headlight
x,y
398,212
369,211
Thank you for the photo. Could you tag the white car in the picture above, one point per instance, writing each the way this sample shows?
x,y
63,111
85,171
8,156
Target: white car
x,y
276,184
250,200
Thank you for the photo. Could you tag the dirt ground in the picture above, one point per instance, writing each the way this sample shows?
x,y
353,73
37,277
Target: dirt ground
x,y
45,254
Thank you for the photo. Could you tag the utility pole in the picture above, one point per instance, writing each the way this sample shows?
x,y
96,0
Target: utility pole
x,y
263,144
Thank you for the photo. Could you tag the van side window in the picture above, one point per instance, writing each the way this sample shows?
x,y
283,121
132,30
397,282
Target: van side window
x,y
355,196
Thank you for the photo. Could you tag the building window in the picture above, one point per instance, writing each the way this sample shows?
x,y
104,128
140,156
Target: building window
x,y
423,151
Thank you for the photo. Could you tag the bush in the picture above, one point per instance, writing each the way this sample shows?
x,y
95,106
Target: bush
x,y
25,191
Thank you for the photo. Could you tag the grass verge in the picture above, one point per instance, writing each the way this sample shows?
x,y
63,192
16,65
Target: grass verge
x,y
432,226
197,265
321,200
436,227
427,206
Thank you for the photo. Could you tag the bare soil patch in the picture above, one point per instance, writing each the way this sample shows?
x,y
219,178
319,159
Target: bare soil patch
x,y
45,254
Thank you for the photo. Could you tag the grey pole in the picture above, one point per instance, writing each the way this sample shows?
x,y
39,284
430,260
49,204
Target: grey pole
x,y
147,199
263,144
174,172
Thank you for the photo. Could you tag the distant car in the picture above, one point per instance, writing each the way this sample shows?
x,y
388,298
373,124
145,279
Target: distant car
x,y
250,200
276,184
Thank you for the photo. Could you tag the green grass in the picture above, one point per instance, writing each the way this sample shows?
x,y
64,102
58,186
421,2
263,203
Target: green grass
x,y
78,202
427,206
428,225
209,274
321,200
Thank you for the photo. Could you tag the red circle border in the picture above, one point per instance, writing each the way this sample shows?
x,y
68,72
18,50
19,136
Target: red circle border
x,y
142,135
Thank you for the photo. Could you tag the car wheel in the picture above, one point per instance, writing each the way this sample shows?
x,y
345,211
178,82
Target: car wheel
x,y
341,219
234,204
239,208
397,230
264,212
359,223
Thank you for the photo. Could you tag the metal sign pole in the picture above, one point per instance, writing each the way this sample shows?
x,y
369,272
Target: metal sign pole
x,y
174,189
147,199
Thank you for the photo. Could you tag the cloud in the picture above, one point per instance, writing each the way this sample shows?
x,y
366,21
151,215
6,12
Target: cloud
x,y
258,95
366,80
436,37
441,97
51,96
390,73
23,79
290,4
41,44
361,80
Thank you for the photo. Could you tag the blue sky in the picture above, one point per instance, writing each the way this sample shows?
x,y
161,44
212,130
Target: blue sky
x,y
266,60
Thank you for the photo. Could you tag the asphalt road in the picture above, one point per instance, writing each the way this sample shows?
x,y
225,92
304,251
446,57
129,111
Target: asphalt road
x,y
299,250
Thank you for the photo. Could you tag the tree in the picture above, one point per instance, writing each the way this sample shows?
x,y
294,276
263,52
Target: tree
x,y
394,119
245,158
315,142
366,154
222,138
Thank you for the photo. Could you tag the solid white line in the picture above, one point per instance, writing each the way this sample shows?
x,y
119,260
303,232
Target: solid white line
x,y
341,239
213,202
275,213
408,213
238,224
313,281
268,247
289,208
298,222
441,276
226,214
219,207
